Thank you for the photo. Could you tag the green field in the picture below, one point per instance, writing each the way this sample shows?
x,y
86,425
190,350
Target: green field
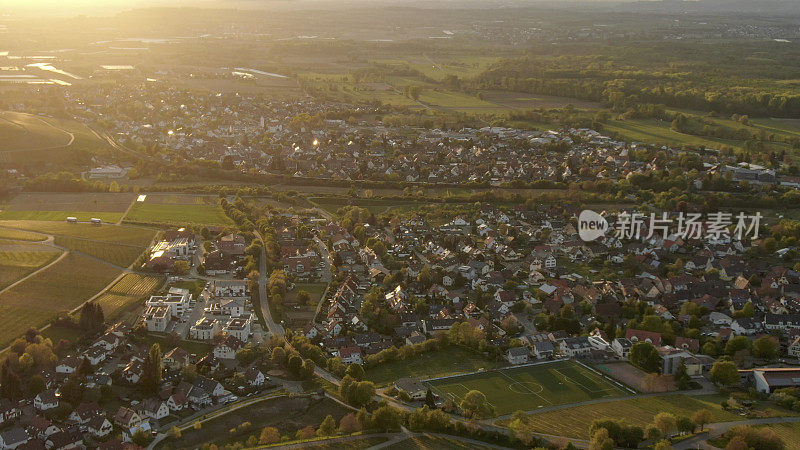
x,y
108,233
61,287
575,421
374,205
58,206
530,387
22,131
437,363
655,131
19,235
315,290
16,264
127,292
659,132
177,214
82,216
119,254
27,138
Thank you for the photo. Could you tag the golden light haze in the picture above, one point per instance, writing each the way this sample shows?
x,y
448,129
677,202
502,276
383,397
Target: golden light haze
x,y
86,7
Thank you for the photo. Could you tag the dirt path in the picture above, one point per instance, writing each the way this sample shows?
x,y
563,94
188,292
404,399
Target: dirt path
x,y
34,273
50,242
125,214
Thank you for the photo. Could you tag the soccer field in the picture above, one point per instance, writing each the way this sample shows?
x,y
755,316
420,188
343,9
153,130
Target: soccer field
x,y
530,387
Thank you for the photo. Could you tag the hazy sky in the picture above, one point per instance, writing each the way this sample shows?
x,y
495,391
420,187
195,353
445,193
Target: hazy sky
x,y
107,7
104,7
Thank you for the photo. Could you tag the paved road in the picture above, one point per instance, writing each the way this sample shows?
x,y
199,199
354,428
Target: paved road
x,y
325,275
263,279
530,328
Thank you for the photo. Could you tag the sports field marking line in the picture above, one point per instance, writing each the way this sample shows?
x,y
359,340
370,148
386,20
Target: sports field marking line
x,y
590,391
442,393
526,387
468,390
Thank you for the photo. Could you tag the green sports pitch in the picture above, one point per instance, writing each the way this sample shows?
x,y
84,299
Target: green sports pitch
x,y
530,387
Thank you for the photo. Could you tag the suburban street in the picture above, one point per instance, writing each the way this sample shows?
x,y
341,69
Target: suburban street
x,y
263,279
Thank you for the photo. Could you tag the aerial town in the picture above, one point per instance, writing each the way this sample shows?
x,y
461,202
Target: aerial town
x,y
349,239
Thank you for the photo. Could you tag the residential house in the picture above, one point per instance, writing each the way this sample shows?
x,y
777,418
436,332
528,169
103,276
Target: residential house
x,y
517,355
415,388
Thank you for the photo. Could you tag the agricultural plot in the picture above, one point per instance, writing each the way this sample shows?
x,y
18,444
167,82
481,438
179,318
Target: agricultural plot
x,y
82,216
530,387
19,235
61,287
575,421
439,67
119,254
178,210
375,206
127,292
22,131
23,260
27,138
58,206
522,100
788,432
107,233
659,132
287,414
